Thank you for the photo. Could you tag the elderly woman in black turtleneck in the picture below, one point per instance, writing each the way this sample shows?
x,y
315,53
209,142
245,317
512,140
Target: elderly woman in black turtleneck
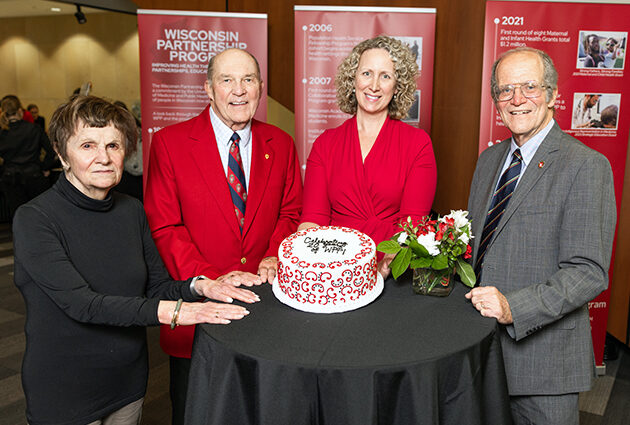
x,y
92,278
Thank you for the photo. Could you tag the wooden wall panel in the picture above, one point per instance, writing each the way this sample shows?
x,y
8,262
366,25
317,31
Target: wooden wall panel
x,y
457,85
619,314
209,5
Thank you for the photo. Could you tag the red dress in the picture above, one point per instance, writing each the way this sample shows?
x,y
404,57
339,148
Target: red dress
x,y
396,180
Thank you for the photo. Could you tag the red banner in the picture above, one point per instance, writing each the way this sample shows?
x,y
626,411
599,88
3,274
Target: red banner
x,y
324,36
592,88
175,48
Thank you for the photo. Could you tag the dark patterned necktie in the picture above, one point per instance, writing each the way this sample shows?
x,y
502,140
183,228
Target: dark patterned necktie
x,y
236,180
500,200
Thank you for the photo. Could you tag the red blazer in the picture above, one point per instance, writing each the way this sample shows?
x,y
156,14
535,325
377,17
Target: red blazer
x,y
191,214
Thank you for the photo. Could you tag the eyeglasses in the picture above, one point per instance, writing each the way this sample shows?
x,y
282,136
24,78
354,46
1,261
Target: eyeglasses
x,y
530,89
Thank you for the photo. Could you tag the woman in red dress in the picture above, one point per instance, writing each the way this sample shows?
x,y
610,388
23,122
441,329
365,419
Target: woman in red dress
x,y
372,171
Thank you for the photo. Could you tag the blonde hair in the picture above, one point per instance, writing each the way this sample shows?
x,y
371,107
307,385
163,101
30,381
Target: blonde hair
x,y
405,68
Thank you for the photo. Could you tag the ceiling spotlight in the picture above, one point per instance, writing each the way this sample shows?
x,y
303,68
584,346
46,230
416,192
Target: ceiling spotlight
x,y
80,15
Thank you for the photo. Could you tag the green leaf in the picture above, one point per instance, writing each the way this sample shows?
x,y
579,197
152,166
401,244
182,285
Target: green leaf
x,y
466,273
418,249
401,262
458,250
440,262
388,247
420,263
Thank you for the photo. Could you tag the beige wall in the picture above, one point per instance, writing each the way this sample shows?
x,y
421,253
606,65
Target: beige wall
x,y
43,59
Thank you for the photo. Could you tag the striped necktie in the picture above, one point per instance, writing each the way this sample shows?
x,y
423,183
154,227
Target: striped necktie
x,y
236,180
500,200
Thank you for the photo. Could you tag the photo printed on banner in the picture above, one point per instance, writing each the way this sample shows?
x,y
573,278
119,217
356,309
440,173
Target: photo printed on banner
x,y
601,49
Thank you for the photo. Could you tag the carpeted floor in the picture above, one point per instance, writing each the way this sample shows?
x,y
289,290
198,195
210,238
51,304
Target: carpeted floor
x,y
606,404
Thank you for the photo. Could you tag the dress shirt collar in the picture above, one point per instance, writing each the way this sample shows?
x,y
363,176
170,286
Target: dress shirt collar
x,y
529,148
223,133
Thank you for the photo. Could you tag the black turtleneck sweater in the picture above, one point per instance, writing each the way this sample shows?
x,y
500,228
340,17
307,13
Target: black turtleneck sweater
x,y
92,279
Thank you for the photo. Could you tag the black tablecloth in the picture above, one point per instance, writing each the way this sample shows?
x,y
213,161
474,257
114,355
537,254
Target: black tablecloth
x,y
404,359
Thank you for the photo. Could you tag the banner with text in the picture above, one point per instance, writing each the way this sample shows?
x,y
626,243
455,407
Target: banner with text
x,y
593,87
325,35
175,48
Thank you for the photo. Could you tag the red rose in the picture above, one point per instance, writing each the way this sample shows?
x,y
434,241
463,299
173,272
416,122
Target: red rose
x,y
443,227
468,252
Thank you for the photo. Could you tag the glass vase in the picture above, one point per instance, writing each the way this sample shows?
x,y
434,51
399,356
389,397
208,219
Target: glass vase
x,y
427,281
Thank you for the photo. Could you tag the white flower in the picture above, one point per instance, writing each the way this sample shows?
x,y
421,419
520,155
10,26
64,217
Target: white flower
x,y
402,237
428,241
464,238
459,217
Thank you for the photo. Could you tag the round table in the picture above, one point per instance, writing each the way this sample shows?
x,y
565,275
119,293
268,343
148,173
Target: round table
x,y
404,359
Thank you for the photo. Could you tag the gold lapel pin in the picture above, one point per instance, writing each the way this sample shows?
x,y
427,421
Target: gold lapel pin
x,y
266,156
541,164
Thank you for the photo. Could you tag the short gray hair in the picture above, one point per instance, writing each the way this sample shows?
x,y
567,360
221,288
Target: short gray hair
x,y
550,75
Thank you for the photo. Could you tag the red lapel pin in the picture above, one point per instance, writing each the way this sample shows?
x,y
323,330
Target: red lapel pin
x,y
541,164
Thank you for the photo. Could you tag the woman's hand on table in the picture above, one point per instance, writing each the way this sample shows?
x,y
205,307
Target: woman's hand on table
x,y
267,269
239,278
195,313
383,265
226,289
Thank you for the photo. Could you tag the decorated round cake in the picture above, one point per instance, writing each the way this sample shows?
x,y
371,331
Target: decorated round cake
x,y
327,269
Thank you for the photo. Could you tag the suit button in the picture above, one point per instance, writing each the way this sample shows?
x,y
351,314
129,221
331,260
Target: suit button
x,y
243,260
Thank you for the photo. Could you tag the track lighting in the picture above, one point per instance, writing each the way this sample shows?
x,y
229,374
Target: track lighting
x,y
81,19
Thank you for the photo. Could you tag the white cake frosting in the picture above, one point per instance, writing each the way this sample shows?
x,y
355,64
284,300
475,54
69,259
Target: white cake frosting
x,y
327,269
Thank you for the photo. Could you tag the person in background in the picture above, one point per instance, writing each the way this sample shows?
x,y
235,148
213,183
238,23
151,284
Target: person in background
x,y
92,279
223,191
374,170
608,117
593,51
610,55
37,119
131,181
23,175
26,115
543,217
585,111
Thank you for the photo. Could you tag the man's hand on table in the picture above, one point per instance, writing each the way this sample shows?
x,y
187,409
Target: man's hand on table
x,y
491,303
267,269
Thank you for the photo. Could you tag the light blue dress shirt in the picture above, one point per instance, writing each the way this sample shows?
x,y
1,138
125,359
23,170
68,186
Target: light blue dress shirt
x,y
528,150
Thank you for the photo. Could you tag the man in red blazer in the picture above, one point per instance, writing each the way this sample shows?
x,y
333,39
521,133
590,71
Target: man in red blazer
x,y
189,201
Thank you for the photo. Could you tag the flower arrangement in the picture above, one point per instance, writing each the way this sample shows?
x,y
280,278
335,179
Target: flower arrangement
x,y
441,244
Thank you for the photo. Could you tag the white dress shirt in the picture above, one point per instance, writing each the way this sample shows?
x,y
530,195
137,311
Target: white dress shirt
x,y
223,134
